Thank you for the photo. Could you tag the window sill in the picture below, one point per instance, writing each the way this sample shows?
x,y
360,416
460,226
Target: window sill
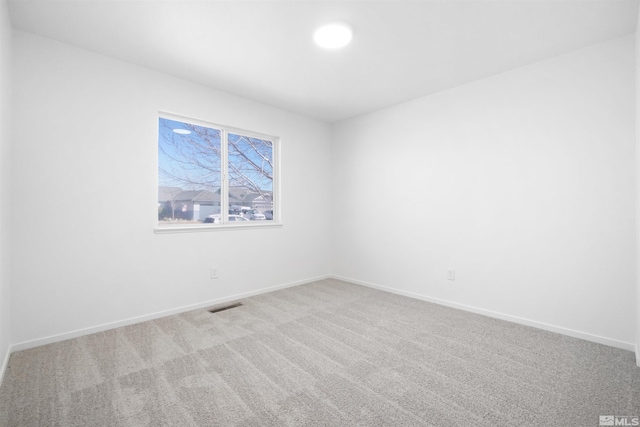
x,y
213,227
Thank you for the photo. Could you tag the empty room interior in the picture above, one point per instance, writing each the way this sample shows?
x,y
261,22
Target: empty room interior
x,y
375,213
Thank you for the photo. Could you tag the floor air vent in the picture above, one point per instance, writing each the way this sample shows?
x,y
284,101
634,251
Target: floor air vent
x,y
226,307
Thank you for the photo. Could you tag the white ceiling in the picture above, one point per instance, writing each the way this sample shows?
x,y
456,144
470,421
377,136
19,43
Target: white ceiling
x,y
263,50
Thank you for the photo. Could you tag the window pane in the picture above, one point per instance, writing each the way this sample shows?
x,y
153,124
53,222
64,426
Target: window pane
x,y
189,173
250,172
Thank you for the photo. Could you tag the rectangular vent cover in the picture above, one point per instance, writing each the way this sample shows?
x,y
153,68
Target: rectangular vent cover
x,y
226,307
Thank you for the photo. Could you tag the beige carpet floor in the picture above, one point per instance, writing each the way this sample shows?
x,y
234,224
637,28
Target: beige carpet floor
x,y
327,353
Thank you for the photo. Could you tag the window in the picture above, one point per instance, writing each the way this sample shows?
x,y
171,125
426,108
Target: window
x,y
210,176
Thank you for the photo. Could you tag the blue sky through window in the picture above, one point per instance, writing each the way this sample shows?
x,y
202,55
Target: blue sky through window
x,y
189,157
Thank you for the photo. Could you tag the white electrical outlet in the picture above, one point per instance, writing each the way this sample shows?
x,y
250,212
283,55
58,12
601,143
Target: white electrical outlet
x,y
451,274
214,273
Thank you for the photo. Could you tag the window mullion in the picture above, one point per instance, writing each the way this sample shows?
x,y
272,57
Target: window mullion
x,y
224,170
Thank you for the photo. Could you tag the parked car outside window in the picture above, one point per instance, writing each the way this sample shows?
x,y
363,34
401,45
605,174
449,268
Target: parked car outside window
x,y
239,210
215,219
212,219
256,216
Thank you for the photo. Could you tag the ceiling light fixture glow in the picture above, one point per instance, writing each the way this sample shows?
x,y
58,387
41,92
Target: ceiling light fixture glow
x,y
333,36
182,131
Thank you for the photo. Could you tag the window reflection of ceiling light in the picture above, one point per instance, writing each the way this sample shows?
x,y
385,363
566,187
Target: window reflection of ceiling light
x,y
182,131
333,36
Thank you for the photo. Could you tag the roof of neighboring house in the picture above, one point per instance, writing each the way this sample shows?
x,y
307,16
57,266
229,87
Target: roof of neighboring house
x,y
242,194
236,195
201,196
165,194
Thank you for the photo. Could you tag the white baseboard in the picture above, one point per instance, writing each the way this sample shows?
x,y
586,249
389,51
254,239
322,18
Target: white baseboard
x,y
540,325
5,363
99,328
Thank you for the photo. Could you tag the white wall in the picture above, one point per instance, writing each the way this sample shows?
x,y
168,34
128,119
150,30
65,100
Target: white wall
x,y
524,183
5,131
84,184
637,117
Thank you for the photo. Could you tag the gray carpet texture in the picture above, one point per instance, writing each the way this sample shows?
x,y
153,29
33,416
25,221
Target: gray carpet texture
x,y
328,353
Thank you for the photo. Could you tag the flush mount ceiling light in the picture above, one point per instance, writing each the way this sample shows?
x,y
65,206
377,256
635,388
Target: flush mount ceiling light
x,y
333,36
182,131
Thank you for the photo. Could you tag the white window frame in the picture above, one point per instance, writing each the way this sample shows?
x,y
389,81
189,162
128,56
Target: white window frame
x,y
224,187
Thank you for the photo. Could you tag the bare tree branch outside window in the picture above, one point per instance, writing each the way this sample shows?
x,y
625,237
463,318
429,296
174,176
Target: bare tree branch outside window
x,y
189,159
251,165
